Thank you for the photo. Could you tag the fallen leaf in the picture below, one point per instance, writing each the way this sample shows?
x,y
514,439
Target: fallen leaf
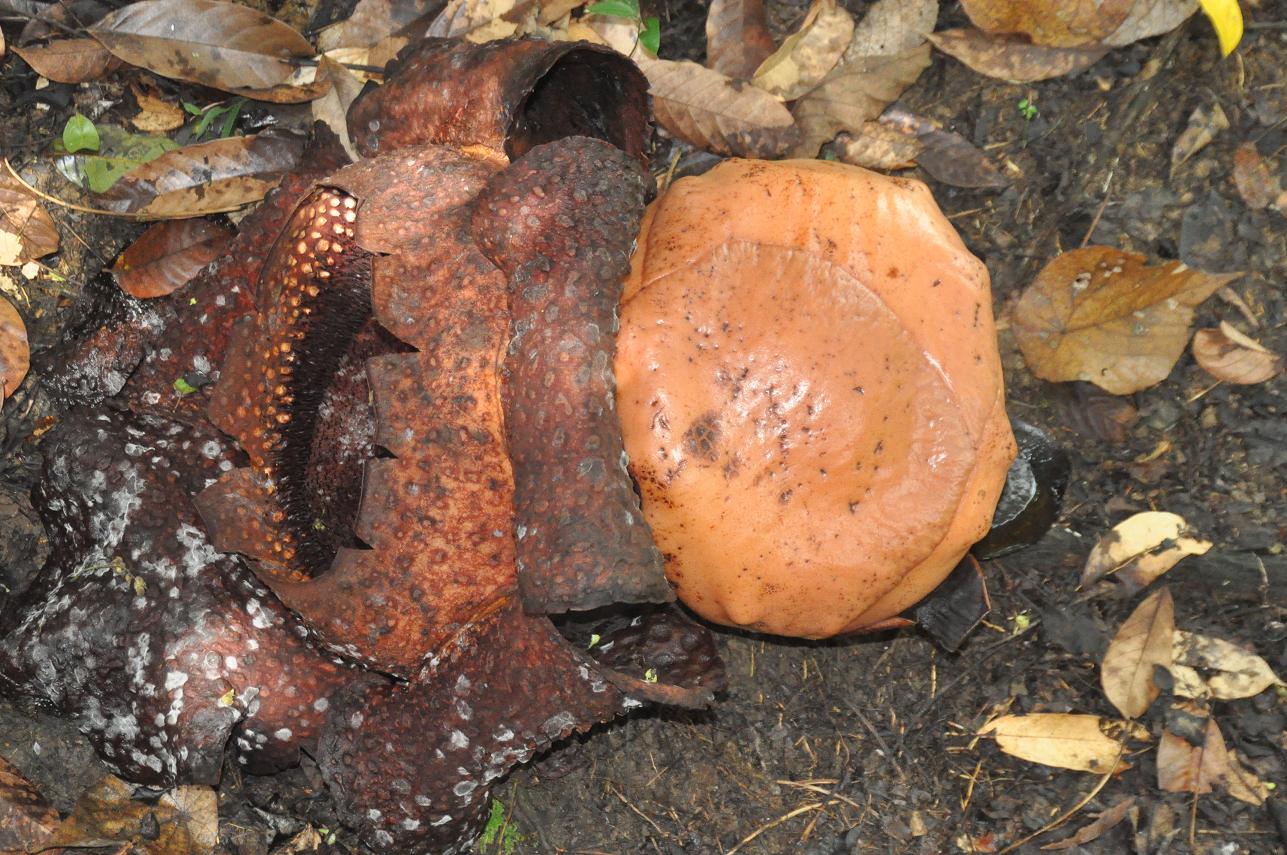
x,y
375,20
69,60
709,110
737,37
1095,414
1204,124
26,819
1105,316
854,92
1149,18
1086,743
15,355
307,82
1234,673
156,114
119,152
183,822
221,45
1257,184
1142,548
333,107
878,146
947,156
167,255
27,231
1183,767
620,34
205,178
892,27
1056,23
476,20
1012,58
1226,18
1142,643
1229,355
1092,831
808,54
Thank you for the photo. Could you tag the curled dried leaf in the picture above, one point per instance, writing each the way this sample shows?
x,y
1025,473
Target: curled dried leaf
x,y
808,54
876,145
1086,743
712,111
1215,667
1092,831
1107,317
167,255
1056,23
1204,124
1229,355
1143,642
737,37
1257,184
1142,548
855,92
27,232
15,355
1186,767
1013,58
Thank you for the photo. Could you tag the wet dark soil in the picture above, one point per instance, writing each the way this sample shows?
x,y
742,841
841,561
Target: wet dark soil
x,y
867,744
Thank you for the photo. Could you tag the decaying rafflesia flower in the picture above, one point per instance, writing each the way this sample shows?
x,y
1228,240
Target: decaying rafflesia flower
x,y
412,356
811,394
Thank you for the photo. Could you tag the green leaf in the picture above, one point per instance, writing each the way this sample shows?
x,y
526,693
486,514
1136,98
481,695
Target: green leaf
x,y
615,9
119,152
650,36
183,387
79,134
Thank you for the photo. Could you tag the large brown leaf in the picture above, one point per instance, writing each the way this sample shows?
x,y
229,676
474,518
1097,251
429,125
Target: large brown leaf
x,y
26,819
1142,643
1149,18
183,822
167,255
1107,317
375,20
15,356
712,111
1087,743
891,27
808,53
26,230
946,155
1013,58
877,145
854,92
737,37
206,178
1057,23
69,60
1185,766
221,45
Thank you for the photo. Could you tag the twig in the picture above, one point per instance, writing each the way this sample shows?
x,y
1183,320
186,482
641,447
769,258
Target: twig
x,y
871,728
1075,809
642,815
775,823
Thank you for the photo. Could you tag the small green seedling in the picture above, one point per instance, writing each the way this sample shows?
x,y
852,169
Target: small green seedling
x,y
595,638
79,134
650,676
1027,109
500,832
183,387
228,111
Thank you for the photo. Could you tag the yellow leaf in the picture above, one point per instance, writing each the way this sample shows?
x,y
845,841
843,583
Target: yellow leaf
x,y
1226,17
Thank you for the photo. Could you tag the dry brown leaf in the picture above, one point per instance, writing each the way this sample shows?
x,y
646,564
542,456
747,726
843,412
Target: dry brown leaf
x,y
305,842
1056,23
1141,548
855,92
1142,643
26,819
167,255
375,20
892,27
620,34
156,114
27,232
475,20
737,37
1231,672
1092,831
947,156
221,45
205,178
186,820
878,146
332,108
1204,124
1183,767
15,355
712,111
69,60
1257,184
1148,18
1229,355
1086,743
808,54
1105,316
305,84
1011,57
